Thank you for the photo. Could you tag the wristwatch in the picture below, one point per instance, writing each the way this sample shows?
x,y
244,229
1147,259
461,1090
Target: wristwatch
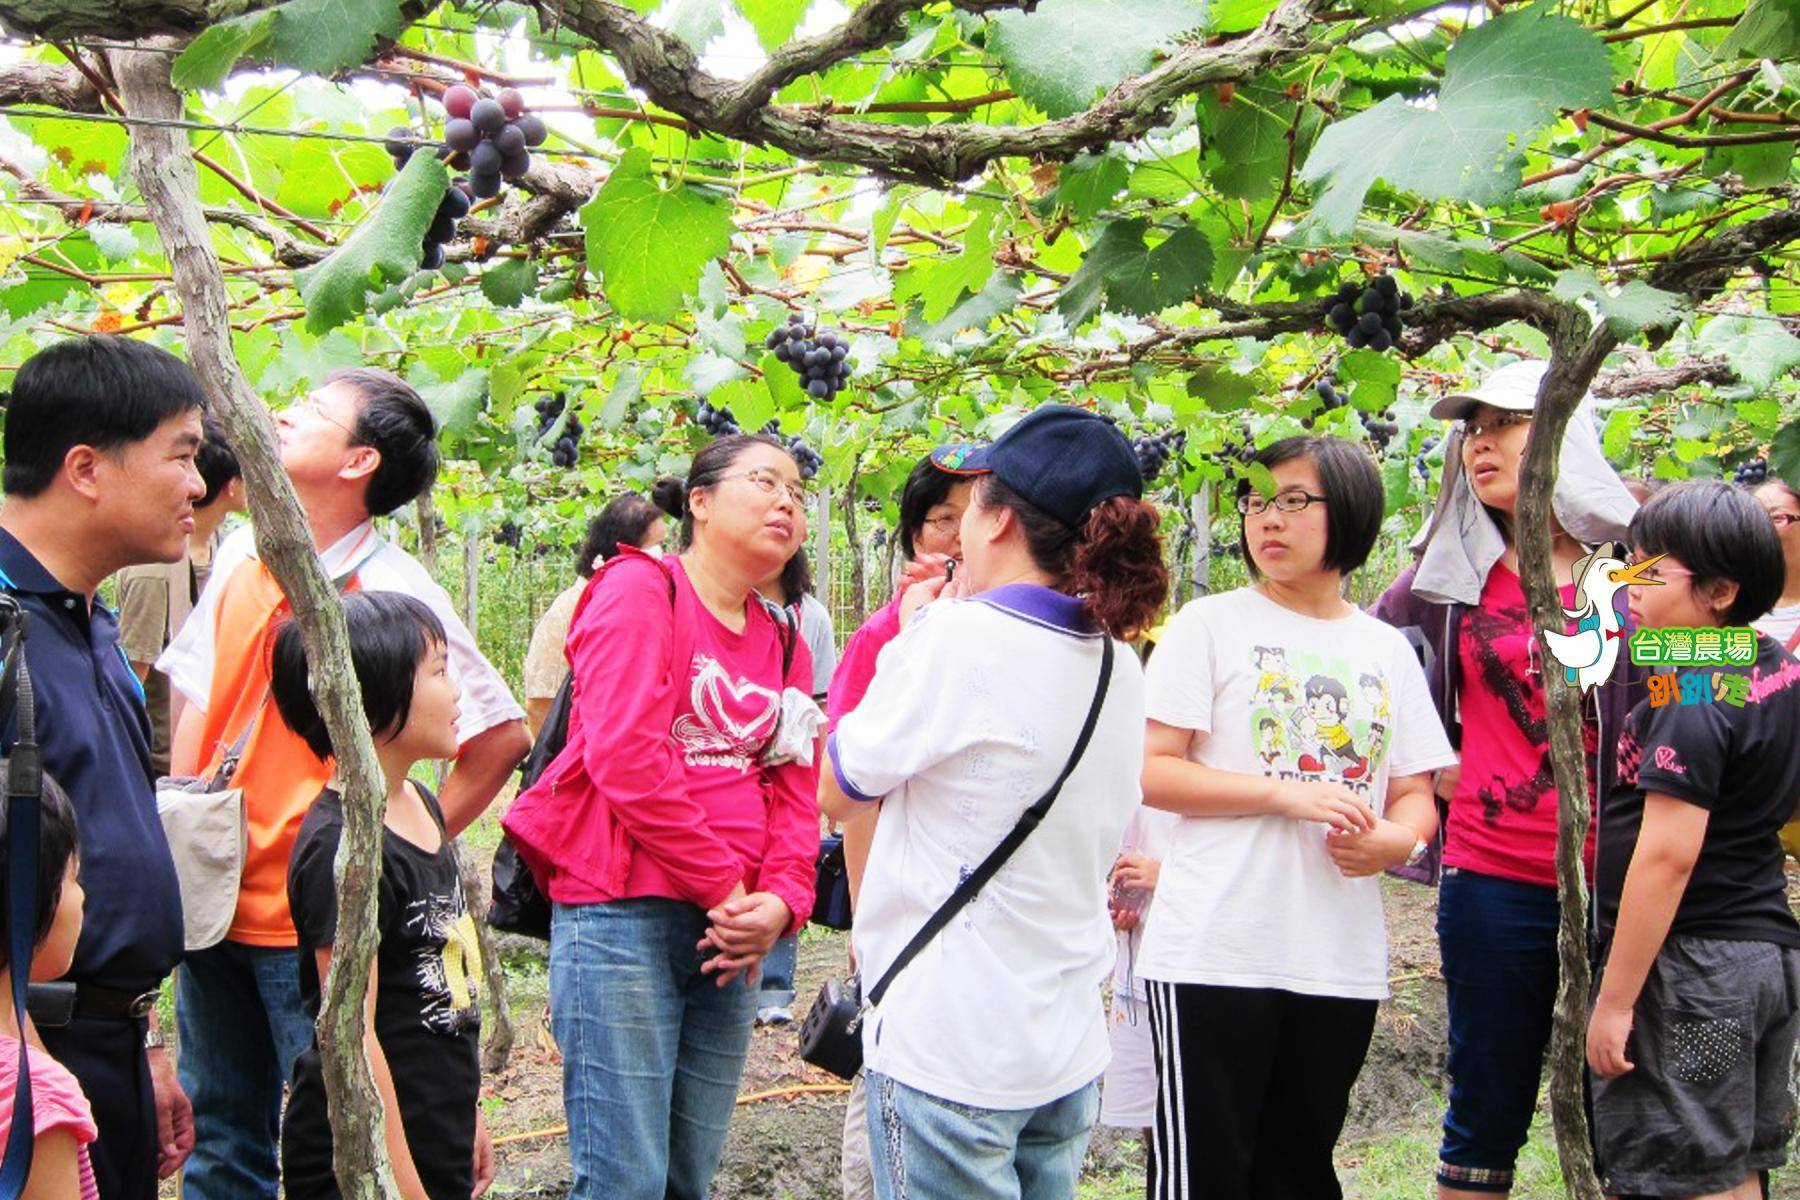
x,y
1419,850
154,1040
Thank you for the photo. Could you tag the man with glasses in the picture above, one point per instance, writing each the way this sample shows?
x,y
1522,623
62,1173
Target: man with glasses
x,y
360,446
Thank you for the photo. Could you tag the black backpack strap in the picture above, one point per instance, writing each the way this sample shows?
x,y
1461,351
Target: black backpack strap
x,y
990,866
24,783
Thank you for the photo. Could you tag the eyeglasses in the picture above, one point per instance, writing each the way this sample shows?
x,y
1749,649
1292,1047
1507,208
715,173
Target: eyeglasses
x,y
942,525
770,484
1254,504
1783,520
1660,574
1475,429
315,405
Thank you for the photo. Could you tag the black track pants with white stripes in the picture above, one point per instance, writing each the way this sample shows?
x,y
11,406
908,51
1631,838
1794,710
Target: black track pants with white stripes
x,y
1252,1087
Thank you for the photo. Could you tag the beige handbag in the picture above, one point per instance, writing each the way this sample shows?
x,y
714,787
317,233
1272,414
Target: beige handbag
x,y
203,820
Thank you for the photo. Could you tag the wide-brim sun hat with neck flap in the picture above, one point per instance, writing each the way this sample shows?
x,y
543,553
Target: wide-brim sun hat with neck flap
x,y
1512,388
1062,460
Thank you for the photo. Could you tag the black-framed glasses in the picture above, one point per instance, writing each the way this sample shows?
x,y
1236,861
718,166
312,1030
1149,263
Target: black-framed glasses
x,y
1254,504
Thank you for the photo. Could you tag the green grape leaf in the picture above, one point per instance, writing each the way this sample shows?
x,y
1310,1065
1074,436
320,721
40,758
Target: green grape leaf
x,y
383,249
940,284
1064,53
455,403
628,385
319,37
1632,309
1756,346
651,242
1784,453
773,20
1503,81
695,22
1768,29
1135,278
1090,182
999,296
509,281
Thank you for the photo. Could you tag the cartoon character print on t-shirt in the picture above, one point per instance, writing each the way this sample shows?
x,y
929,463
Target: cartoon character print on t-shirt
x,y
731,722
448,961
1309,723
1523,697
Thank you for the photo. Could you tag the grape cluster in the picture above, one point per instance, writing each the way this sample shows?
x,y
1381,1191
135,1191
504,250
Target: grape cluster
x,y
716,421
1368,316
509,534
804,456
1154,451
1329,398
490,135
1421,464
1754,473
452,208
1381,429
565,452
819,357
1224,549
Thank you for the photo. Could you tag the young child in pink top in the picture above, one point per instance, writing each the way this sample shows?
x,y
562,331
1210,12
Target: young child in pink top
x,y
61,1118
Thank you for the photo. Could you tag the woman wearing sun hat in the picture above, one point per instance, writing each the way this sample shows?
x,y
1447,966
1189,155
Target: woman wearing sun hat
x,y
1497,905
984,1054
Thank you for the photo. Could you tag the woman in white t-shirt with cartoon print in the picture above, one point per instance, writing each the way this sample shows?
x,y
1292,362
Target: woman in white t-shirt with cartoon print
x,y
1295,737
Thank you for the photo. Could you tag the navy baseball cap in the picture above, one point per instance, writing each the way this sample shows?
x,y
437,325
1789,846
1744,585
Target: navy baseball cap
x,y
1062,460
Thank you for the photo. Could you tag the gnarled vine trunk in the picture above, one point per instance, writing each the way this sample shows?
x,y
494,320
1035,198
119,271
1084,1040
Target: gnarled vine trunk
x,y
1575,359
164,171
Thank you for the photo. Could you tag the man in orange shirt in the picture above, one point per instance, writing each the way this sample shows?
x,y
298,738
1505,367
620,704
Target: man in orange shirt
x,y
360,446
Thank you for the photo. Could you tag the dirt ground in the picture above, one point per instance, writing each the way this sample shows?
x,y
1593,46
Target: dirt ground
x,y
786,1147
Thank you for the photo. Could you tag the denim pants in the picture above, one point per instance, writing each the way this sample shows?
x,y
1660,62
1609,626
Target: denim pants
x,y
778,974
926,1148
1497,938
653,1049
242,1026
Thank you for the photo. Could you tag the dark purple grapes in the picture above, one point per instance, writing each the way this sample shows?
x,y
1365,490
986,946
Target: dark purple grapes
x,y
488,116
1367,315
565,452
819,357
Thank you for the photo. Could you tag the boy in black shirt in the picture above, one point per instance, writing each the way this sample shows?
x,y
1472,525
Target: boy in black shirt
x,y
422,1035
1691,1041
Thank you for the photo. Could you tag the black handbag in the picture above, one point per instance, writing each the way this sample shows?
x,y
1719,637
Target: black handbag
x,y
831,1034
831,885
516,903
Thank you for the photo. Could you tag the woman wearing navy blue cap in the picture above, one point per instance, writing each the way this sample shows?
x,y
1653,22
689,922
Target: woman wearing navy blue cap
x,y
984,1054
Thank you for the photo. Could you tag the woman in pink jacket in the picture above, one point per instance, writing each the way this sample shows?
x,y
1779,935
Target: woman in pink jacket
x,y
674,854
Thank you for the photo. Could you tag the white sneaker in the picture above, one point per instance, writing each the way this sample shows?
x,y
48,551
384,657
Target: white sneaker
x,y
774,1016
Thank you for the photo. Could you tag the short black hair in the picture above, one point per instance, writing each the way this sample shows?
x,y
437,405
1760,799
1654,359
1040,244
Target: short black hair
x,y
217,465
397,423
390,634
1325,685
1355,502
710,466
58,843
1717,531
100,391
623,521
927,486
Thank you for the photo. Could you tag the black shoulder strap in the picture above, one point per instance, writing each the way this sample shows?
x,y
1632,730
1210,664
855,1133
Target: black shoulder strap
x,y
990,866
24,783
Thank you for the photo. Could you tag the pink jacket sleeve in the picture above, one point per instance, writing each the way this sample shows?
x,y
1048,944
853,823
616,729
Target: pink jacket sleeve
x,y
791,849
856,668
620,647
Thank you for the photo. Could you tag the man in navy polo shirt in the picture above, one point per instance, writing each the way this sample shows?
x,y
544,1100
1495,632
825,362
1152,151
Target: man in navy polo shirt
x,y
101,436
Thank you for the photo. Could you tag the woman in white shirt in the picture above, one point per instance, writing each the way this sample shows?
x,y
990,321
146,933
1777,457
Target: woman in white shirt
x,y
983,1056
1295,736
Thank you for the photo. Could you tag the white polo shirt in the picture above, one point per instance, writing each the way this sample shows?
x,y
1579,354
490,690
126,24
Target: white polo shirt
x,y
973,712
380,566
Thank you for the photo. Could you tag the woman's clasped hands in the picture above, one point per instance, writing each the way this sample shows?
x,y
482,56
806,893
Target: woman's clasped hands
x,y
745,927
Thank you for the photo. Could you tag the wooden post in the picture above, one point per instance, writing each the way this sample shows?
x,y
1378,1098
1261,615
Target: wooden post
x,y
426,512
821,552
859,583
163,170
471,548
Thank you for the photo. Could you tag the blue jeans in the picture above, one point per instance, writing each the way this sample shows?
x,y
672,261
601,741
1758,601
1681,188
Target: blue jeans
x,y
242,1026
778,974
652,1048
1497,939
925,1148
